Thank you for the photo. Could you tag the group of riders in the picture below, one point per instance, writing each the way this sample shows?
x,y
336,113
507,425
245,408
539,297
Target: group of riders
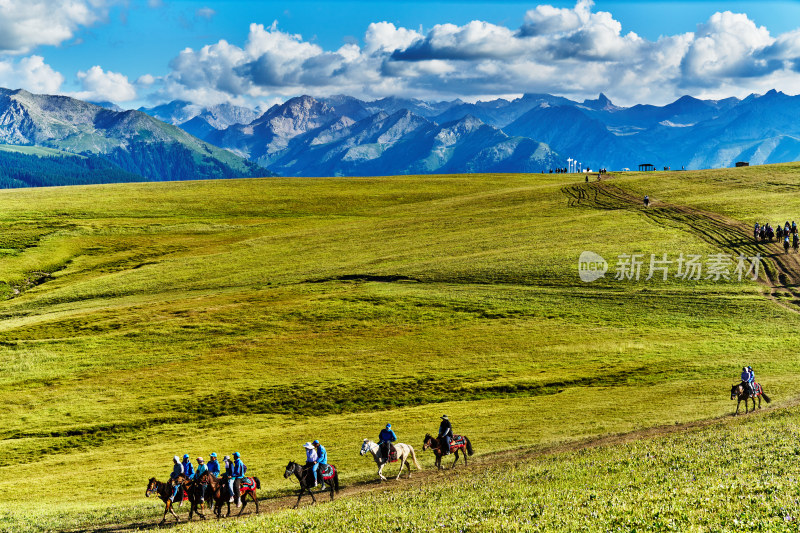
x,y
316,459
785,233
183,471
387,437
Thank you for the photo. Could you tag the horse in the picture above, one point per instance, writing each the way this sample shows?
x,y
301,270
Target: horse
x,y
438,445
305,476
221,494
786,245
164,491
738,393
795,242
403,453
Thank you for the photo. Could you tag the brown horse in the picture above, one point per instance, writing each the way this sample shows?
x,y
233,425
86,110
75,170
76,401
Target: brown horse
x,y
438,446
164,491
219,492
738,393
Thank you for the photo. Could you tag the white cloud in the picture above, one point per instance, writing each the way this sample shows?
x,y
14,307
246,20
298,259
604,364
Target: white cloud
x,y
574,52
26,24
99,85
30,73
205,12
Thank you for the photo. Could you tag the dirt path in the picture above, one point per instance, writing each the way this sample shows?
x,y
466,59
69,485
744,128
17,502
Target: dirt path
x,y
780,272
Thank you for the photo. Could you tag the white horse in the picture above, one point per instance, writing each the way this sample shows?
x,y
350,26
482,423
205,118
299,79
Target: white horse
x,y
403,453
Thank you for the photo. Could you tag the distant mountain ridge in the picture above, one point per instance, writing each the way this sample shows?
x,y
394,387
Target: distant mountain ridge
x,y
119,145
319,136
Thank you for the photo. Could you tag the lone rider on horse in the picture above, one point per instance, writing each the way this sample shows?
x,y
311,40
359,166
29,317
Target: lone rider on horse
x,y
748,378
446,432
385,440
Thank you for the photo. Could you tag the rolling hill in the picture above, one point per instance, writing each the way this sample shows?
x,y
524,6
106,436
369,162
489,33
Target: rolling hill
x,y
139,321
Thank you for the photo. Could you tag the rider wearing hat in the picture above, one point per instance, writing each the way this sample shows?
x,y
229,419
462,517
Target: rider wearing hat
x,y
175,478
188,469
746,381
322,459
237,475
213,465
385,439
446,432
311,459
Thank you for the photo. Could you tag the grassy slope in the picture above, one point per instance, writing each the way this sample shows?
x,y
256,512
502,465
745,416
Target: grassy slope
x,y
154,319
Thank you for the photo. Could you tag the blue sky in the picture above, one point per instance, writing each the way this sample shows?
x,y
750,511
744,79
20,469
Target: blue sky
x,y
256,53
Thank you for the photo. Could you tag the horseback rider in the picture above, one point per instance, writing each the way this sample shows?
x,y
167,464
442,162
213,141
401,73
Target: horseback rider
x,y
795,240
446,432
752,380
188,469
794,227
311,459
322,461
237,475
201,469
228,476
746,380
646,200
385,440
213,465
176,478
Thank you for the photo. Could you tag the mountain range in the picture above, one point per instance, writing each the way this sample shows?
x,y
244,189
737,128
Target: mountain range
x,y
110,145
342,135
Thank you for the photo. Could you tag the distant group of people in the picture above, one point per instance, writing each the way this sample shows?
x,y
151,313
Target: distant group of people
x,y
785,233
183,470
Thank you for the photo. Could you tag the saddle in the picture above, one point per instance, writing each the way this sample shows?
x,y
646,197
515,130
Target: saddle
x,y
392,454
456,442
756,390
327,471
247,484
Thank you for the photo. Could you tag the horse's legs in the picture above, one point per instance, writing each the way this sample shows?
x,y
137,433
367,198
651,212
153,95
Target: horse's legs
x,y
255,501
456,461
243,501
402,464
759,403
738,403
380,471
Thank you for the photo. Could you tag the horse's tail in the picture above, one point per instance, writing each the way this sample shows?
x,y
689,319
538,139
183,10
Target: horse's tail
x,y
258,482
764,394
469,446
336,481
414,457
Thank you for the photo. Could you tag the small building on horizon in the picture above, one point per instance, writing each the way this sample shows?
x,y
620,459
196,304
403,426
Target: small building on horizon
x,y
742,164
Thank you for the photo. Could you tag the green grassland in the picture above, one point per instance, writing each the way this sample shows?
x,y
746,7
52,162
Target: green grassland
x,y
141,321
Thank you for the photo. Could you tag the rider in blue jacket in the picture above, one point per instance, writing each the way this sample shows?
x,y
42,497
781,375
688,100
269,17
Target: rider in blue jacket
x,y
237,475
188,469
385,439
213,465
322,459
746,381
174,477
